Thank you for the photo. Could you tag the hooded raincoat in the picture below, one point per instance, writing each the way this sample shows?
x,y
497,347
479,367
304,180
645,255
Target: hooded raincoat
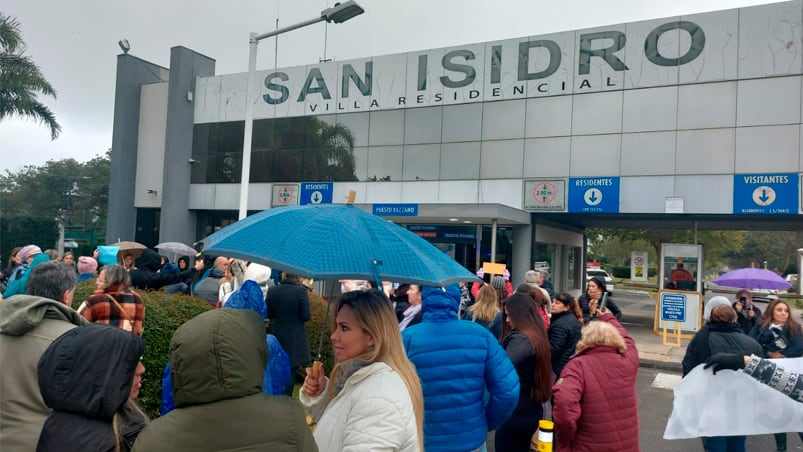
x,y
28,325
218,360
85,377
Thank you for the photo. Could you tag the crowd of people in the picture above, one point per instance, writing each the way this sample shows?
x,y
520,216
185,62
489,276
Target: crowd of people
x,y
416,367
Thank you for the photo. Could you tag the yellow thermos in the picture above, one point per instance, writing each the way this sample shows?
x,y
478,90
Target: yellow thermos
x,y
545,435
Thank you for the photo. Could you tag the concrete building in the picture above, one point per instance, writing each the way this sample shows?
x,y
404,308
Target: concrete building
x,y
691,121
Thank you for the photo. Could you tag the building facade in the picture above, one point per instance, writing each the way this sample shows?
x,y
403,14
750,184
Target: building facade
x,y
501,150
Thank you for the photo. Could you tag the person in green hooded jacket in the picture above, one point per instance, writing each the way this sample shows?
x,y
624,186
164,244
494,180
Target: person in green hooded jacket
x,y
217,361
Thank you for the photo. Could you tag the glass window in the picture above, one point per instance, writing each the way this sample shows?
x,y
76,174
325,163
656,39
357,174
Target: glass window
x,y
422,162
386,128
357,123
462,122
423,125
284,149
385,163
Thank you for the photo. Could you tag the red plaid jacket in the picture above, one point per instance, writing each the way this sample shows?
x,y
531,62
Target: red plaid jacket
x,y
127,313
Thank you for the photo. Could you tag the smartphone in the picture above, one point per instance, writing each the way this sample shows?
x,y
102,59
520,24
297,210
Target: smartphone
x,y
603,302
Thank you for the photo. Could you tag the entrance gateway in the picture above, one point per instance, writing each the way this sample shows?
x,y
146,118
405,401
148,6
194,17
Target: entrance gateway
x,y
703,110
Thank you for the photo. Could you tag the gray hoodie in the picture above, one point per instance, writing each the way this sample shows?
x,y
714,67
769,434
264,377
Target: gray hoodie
x,y
28,324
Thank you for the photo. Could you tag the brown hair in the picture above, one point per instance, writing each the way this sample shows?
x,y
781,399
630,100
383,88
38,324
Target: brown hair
x,y
524,313
567,299
791,324
722,314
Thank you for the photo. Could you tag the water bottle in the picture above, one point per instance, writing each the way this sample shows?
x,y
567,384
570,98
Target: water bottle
x,y
545,435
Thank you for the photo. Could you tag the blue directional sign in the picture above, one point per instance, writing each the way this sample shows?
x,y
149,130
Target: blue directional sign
x,y
594,194
673,307
395,210
316,193
765,194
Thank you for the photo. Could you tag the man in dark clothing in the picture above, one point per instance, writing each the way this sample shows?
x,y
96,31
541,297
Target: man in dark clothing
x,y
147,275
544,283
288,310
207,288
747,313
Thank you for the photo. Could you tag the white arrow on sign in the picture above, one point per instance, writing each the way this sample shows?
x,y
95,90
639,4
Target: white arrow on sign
x,y
764,195
316,197
593,196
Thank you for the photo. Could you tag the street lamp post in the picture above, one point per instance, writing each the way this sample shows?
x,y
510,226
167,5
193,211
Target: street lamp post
x,y
339,13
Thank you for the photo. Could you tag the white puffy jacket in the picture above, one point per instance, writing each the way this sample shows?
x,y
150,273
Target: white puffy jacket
x,y
372,412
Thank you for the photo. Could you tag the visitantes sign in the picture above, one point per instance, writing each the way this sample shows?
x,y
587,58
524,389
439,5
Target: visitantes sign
x,y
636,55
765,194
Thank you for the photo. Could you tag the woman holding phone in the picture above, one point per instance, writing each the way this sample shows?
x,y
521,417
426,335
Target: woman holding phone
x,y
595,291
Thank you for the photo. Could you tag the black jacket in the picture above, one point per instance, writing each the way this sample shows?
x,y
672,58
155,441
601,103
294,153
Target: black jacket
x,y
288,310
85,376
145,277
745,323
584,300
564,333
718,338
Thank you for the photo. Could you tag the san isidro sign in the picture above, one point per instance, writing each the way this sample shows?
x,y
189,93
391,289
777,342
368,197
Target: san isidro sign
x,y
562,63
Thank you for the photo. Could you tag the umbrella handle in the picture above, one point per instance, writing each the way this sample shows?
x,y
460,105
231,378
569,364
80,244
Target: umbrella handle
x,y
325,321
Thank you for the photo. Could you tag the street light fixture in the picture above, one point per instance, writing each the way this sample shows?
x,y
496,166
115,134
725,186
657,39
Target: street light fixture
x,y
339,13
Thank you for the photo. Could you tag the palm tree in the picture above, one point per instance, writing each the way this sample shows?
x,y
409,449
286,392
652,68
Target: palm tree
x,y
21,80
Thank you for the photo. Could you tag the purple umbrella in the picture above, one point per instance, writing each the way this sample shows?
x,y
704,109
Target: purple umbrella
x,y
752,278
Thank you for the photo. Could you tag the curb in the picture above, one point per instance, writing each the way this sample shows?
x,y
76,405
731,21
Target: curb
x,y
660,365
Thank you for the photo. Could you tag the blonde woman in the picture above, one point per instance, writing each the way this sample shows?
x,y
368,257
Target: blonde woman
x,y
486,308
372,400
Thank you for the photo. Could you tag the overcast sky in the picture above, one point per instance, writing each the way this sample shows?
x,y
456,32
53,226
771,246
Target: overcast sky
x,y
75,45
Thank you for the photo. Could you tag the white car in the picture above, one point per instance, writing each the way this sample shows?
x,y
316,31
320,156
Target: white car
x,y
592,272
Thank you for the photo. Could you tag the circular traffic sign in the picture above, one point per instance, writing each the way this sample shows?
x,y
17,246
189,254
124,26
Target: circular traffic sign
x,y
544,193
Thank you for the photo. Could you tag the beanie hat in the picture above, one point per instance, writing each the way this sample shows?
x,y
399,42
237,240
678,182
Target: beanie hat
x,y
28,251
498,282
87,265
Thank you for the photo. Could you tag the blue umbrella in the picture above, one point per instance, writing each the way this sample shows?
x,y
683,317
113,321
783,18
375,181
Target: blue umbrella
x,y
336,242
752,278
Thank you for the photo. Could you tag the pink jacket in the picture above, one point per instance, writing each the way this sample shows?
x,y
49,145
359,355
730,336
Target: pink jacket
x,y
595,404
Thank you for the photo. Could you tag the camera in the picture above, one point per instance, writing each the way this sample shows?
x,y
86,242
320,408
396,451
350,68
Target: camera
x,y
743,300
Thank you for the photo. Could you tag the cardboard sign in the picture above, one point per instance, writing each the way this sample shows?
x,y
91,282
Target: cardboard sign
x,y
493,268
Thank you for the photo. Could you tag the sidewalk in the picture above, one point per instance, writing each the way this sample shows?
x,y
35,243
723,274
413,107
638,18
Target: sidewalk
x,y
638,318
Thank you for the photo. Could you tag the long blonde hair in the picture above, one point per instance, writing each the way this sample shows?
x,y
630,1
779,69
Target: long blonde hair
x,y
486,306
132,408
375,316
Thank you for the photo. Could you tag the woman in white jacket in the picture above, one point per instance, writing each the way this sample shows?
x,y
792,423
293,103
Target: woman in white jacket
x,y
372,400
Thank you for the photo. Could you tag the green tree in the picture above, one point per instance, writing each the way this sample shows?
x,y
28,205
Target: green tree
x,y
21,80
717,245
777,248
66,190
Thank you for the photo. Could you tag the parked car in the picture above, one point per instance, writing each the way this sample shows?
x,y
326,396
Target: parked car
x,y
592,272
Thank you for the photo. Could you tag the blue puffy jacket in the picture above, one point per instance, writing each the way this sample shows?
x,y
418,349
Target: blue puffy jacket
x,y
457,361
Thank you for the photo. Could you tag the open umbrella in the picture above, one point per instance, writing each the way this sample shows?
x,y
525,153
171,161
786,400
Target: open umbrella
x,y
127,247
336,242
176,248
752,278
